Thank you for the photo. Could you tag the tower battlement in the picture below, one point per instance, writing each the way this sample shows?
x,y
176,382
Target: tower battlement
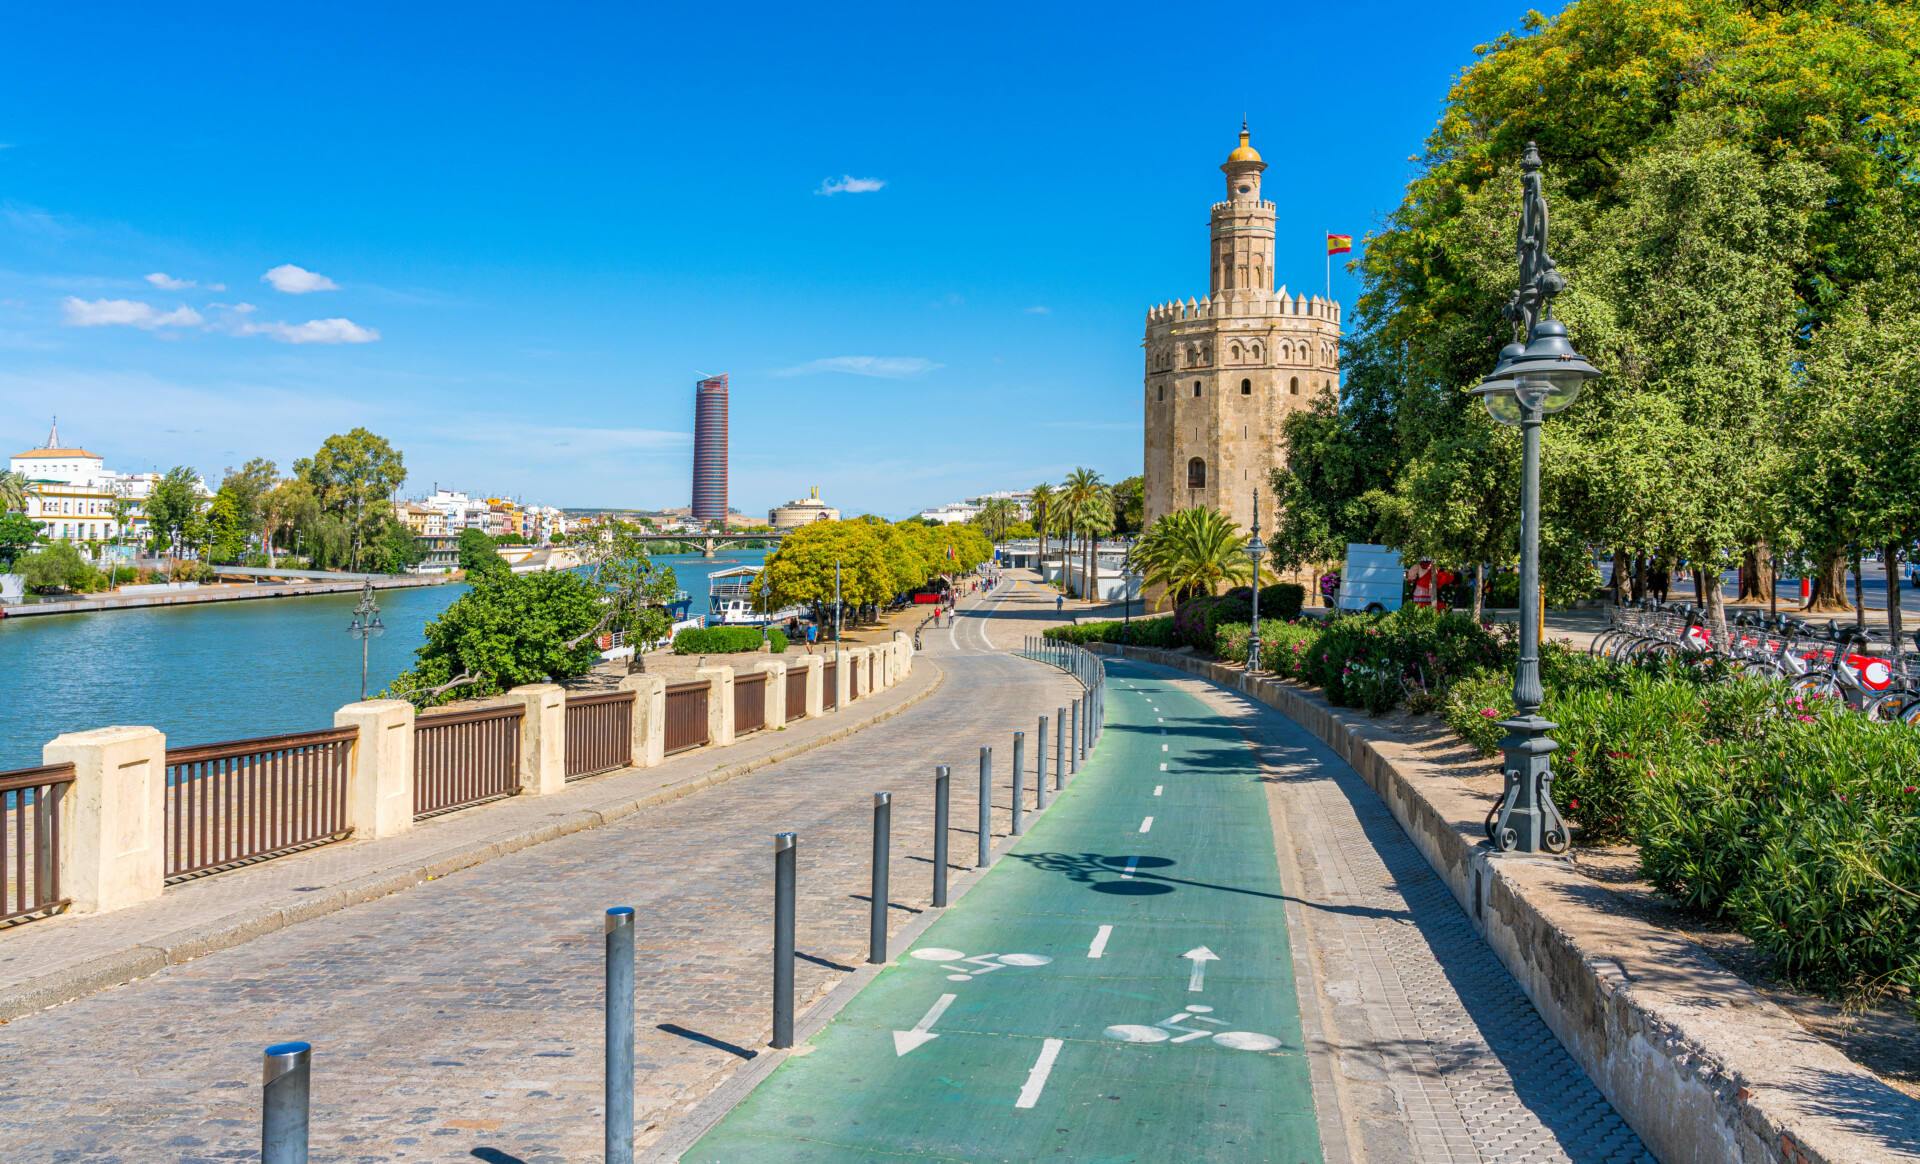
x,y
1225,370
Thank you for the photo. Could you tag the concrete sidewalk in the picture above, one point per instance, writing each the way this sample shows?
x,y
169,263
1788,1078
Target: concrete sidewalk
x,y
51,960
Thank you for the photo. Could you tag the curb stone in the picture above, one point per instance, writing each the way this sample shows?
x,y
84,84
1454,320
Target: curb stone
x,y
135,962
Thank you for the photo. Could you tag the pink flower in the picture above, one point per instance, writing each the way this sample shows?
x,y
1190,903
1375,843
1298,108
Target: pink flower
x,y
1804,718
1489,713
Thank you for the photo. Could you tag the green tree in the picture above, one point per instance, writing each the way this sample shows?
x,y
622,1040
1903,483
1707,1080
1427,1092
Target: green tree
x,y
1129,499
58,567
637,590
13,491
477,555
1458,502
1043,516
397,548
17,533
173,508
801,571
353,475
506,631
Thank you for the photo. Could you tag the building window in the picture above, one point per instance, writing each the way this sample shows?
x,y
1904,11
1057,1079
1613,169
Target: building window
x,y
1293,386
1196,387
1163,391
1196,474
1246,387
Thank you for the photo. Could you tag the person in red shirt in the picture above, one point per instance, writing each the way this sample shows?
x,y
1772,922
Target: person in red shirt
x,y
1422,578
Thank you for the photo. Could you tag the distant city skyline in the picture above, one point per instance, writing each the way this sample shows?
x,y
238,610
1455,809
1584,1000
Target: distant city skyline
x,y
507,245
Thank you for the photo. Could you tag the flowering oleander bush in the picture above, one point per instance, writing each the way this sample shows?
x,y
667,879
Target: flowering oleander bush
x,y
1144,632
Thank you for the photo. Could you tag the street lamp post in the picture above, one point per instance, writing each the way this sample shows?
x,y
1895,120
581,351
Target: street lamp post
x,y
366,625
765,610
1255,549
836,602
1529,384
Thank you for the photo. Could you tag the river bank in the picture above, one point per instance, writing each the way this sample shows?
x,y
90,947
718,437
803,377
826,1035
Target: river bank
x,y
217,592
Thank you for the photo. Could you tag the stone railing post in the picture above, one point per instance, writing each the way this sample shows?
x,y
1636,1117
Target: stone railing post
x,y
113,815
649,718
380,783
860,682
815,667
719,704
543,738
842,677
776,704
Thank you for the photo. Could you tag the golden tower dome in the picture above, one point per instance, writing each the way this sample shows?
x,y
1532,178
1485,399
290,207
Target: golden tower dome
x,y
1245,153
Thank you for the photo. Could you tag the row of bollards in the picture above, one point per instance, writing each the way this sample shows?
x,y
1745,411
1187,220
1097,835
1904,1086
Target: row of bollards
x,y
287,1068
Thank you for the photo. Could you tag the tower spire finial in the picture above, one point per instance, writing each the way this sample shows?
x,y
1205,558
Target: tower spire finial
x,y
53,434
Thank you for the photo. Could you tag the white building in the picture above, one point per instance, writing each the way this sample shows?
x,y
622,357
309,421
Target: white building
x,y
461,512
73,495
952,513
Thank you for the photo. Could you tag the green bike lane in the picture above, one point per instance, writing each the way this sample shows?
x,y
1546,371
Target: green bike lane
x,y
1117,988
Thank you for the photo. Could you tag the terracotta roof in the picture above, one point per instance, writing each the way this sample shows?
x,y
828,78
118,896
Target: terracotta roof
x,y
58,453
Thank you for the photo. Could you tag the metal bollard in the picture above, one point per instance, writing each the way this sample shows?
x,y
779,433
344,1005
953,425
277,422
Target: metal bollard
x,y
882,845
1073,747
785,849
1060,751
986,806
619,1060
1040,768
942,780
286,1086
1019,774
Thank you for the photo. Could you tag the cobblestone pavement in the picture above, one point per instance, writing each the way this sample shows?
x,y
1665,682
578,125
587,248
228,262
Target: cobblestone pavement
x,y
1431,1052
461,1019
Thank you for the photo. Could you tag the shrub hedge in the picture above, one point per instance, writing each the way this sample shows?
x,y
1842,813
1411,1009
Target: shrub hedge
x,y
725,640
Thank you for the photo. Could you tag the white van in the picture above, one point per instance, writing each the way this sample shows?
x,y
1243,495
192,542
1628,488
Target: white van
x,y
1372,580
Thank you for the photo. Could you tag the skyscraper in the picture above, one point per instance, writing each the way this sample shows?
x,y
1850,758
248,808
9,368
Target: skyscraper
x,y
710,450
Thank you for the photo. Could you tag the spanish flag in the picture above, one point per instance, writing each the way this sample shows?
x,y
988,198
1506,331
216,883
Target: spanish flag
x,y
1339,244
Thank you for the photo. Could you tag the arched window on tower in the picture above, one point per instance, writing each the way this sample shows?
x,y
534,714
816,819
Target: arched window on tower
x,y
1236,353
1163,391
1246,387
1196,474
1196,387
1256,353
1293,386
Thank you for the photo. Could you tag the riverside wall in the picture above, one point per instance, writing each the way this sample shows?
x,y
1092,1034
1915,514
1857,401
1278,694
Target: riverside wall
x,y
212,594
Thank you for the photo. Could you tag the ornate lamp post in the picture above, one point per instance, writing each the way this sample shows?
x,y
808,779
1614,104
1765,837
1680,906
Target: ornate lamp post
x,y
1527,385
366,625
1255,549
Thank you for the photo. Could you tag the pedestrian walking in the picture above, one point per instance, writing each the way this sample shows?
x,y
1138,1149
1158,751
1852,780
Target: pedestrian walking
x,y
812,630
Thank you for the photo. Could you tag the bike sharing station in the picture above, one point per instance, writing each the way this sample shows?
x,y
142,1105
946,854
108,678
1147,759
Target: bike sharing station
x,y
1119,985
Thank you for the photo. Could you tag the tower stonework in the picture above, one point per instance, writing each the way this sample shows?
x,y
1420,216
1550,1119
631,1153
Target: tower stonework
x,y
1223,373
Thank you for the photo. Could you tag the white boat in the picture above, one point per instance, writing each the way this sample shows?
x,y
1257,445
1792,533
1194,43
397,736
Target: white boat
x,y
732,596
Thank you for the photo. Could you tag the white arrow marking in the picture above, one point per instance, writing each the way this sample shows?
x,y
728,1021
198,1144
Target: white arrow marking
x,y
1099,946
904,1041
1201,956
1146,824
1037,1078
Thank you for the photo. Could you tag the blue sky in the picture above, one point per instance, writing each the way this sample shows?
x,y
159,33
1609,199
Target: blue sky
x,y
510,238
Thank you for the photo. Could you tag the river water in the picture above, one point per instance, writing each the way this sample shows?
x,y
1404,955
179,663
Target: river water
x,y
222,670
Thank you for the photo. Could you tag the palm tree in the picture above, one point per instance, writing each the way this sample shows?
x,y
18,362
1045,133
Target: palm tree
x,y
1082,500
13,491
1042,509
1190,552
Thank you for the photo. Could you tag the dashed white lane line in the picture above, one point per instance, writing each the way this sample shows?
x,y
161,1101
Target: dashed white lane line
x,y
1133,864
1099,946
1037,1078
1163,767
1157,788
1146,824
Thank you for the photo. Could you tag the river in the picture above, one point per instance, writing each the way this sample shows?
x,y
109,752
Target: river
x,y
222,670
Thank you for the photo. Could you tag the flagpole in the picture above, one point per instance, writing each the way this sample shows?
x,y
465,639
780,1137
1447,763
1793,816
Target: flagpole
x,y
1329,235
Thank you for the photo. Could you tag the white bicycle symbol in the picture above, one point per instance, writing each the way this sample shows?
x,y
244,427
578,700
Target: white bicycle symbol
x,y
1162,1032
979,964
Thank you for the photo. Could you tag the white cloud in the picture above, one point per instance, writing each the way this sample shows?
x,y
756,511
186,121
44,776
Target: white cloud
x,y
297,281
314,331
886,367
167,282
849,185
128,312
1038,311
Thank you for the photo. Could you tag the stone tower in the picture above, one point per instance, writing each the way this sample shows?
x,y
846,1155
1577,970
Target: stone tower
x,y
1224,372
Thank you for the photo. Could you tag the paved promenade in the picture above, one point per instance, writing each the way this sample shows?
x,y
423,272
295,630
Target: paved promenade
x,y
1354,1012
463,1016
1217,946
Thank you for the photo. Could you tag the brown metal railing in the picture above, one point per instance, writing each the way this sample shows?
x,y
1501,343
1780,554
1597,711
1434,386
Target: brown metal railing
x,y
465,757
796,693
246,799
829,687
30,840
599,733
749,702
686,725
